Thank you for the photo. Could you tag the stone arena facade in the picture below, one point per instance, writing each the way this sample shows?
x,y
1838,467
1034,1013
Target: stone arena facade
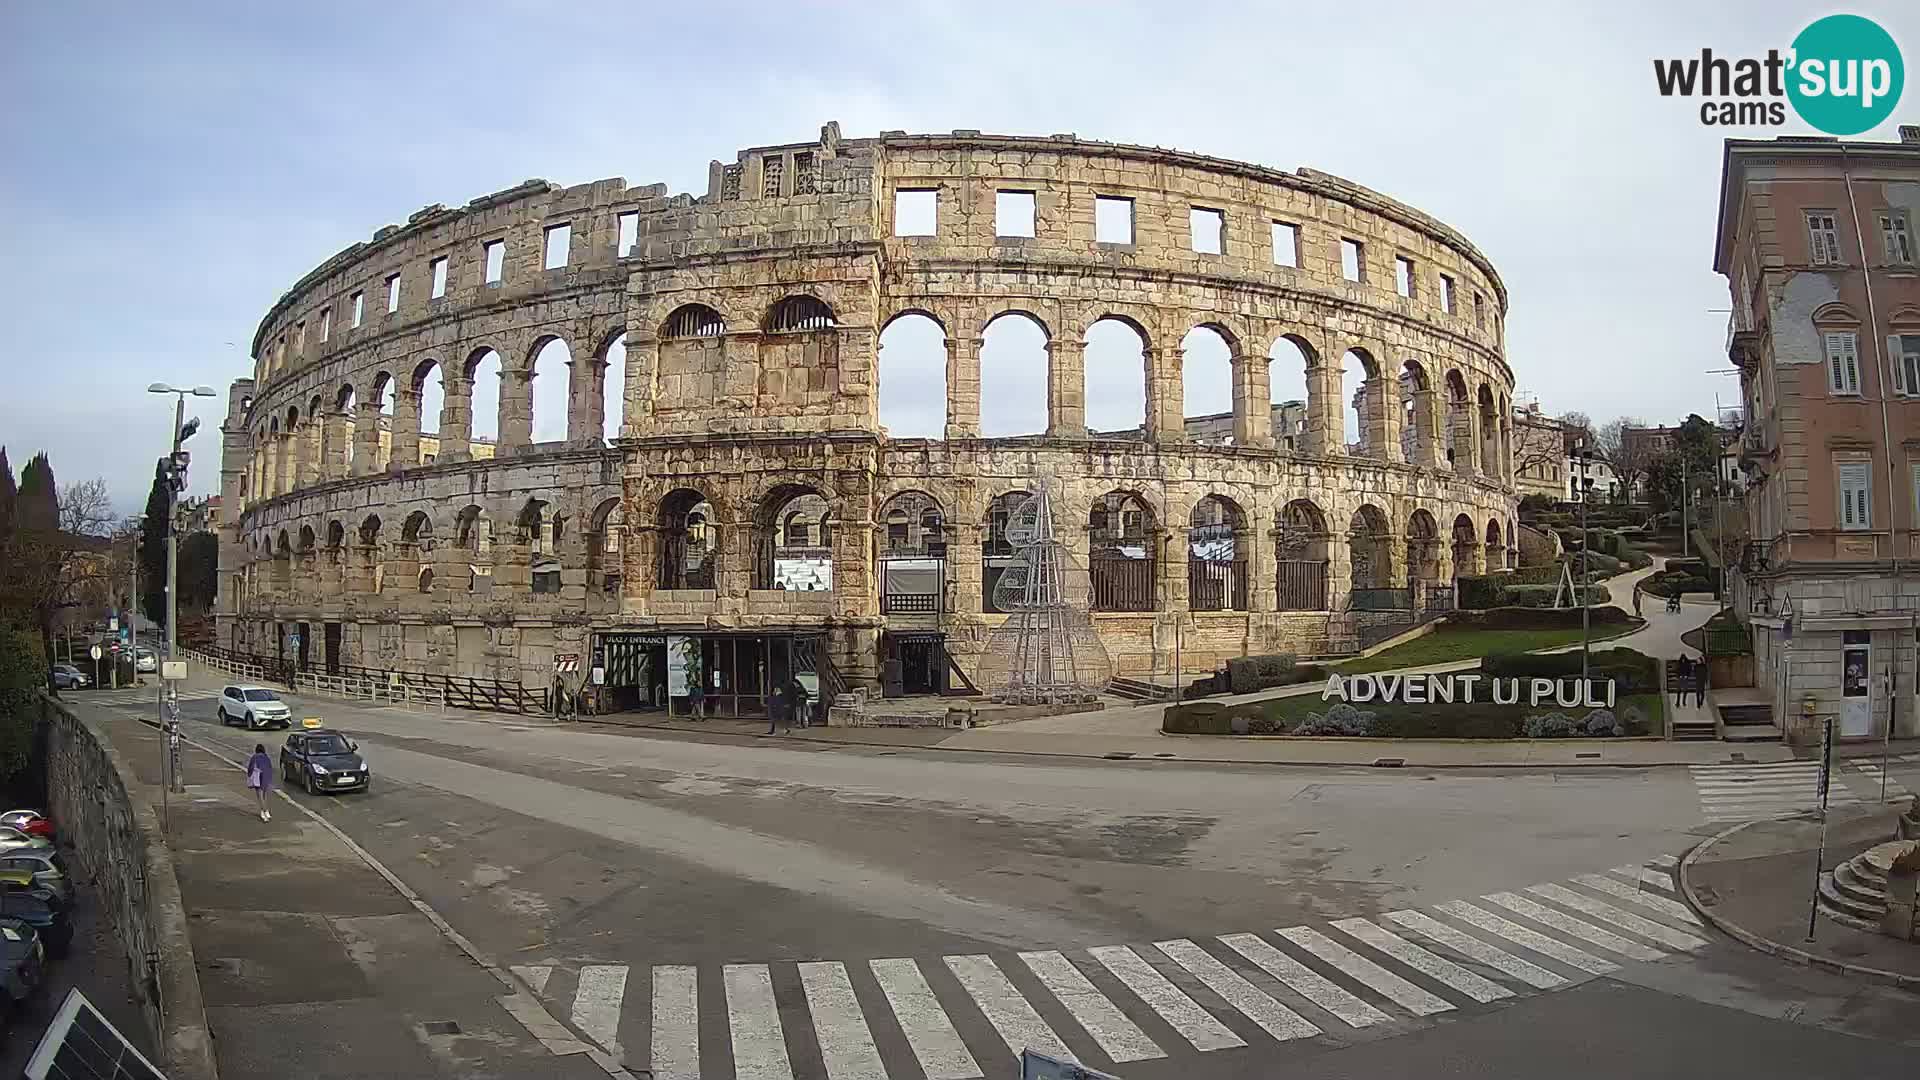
x,y
754,505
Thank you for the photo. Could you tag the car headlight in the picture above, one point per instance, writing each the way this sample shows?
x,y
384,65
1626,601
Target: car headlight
x,y
318,770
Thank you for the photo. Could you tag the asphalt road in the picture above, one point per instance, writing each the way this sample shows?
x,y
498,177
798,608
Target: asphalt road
x,y
751,908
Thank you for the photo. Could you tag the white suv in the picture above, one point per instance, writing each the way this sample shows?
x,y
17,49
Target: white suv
x,y
253,707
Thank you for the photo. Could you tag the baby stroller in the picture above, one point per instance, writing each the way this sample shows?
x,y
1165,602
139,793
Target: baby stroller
x,y
1673,605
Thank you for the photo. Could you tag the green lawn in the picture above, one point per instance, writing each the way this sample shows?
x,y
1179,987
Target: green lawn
x,y
1644,713
1448,644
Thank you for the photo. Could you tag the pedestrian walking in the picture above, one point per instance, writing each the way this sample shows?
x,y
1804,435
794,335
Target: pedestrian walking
x,y
1636,603
777,713
1700,685
1682,672
800,702
260,778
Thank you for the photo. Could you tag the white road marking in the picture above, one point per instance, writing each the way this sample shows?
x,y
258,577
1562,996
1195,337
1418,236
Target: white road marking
x,y
535,976
935,1044
1625,920
1672,909
1644,876
1473,948
1305,981
1009,1013
1120,1037
1665,862
1182,1013
1400,991
1567,924
1433,967
846,1043
1274,1018
676,1023
596,1004
759,1045
1523,936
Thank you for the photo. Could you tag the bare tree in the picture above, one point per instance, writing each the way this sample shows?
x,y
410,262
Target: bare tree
x,y
1577,424
1539,446
1628,457
86,509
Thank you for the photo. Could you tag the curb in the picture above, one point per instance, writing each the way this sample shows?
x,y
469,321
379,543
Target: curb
x,y
1767,945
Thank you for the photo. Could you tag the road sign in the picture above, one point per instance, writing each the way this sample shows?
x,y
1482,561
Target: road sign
x,y
173,669
566,663
97,652
113,624
126,634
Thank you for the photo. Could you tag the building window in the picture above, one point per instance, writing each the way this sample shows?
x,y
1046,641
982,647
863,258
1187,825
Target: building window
x,y
1013,213
326,323
1480,311
1207,229
803,174
1843,363
1856,497
1823,238
730,183
559,239
1446,294
1112,219
1915,467
359,307
1405,282
1286,244
1895,239
1905,351
496,251
393,293
300,336
773,173
629,234
1353,262
439,277
916,212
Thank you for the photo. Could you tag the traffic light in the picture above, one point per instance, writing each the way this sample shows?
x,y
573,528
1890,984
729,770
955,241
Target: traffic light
x,y
173,469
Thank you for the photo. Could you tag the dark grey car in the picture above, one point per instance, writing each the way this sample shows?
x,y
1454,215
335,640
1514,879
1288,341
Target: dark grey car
x,y
322,760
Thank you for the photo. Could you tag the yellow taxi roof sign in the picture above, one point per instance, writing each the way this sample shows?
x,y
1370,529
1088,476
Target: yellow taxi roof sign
x,y
311,722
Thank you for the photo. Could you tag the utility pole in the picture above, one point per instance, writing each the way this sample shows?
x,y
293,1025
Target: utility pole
x,y
1685,485
1582,459
173,471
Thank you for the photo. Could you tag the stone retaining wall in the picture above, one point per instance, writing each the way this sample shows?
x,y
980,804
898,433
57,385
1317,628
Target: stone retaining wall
x,y
116,838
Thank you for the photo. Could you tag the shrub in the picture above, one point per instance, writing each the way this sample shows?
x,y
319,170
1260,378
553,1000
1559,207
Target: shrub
x,y
1521,618
1248,674
23,675
1339,719
1541,596
1204,718
1480,591
1633,672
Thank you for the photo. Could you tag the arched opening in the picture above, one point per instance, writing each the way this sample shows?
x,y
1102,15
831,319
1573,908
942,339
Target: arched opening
x,y
1288,393
613,388
417,530
426,579
1459,433
793,541
1423,547
1368,537
1496,547
1115,379
474,536
1121,537
336,535
533,527
430,390
484,368
913,377
1216,556
1013,376
550,371
997,550
345,405
313,440
1357,374
1206,386
370,531
606,541
799,314
1465,548
693,321
380,400
307,540
1489,434
1301,554
693,348
913,559
1416,430
689,541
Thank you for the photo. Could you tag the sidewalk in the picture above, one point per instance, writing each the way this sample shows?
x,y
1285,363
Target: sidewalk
x,y
313,966
1755,882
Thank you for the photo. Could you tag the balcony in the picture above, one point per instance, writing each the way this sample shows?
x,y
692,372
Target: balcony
x,y
1756,556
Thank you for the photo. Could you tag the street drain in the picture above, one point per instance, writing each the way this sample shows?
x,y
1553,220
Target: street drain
x,y
1587,755
1118,755
441,1027
1388,762
1163,753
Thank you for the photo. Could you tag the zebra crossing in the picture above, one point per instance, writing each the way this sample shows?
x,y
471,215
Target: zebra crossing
x,y
960,1017
1750,792
1877,778
140,695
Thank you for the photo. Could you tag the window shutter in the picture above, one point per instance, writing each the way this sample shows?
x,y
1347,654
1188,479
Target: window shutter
x,y
1853,364
1855,503
1899,365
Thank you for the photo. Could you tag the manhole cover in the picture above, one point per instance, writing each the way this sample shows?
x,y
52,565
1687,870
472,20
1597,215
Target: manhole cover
x,y
441,1027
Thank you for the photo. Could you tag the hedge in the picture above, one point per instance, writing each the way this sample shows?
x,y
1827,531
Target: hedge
x,y
1459,720
1519,618
1635,671
1543,595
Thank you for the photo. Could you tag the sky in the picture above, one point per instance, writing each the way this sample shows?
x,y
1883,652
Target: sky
x,y
167,171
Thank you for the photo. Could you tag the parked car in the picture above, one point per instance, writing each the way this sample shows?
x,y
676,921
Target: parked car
x,y
253,707
43,868
324,760
145,661
22,960
46,915
31,822
68,677
11,838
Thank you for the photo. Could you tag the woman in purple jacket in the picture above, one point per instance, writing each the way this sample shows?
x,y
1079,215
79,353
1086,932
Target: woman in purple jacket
x,y
260,778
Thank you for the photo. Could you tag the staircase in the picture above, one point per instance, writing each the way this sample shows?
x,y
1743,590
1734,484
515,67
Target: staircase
x,y
1694,726
1749,723
1135,690
1855,892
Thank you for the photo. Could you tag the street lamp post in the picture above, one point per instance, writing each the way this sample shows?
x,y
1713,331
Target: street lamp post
x,y
176,480
1583,487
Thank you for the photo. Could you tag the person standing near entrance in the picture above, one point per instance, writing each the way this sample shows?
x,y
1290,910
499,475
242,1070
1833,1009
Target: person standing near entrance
x,y
1700,685
1683,673
798,701
260,778
777,711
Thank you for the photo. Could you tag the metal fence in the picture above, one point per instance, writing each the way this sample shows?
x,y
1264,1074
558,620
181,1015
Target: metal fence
x,y
1216,586
1121,583
1302,584
1381,600
380,684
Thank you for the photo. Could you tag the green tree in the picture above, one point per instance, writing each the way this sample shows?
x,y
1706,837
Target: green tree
x,y
153,548
8,494
36,554
199,571
23,674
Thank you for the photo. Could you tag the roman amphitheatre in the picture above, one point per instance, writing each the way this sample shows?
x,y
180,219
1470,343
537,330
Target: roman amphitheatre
x,y
729,440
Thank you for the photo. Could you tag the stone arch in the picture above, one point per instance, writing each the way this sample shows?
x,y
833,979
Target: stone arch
x,y
417,529
426,579
1207,381
799,313
483,375
307,540
1419,435
370,530
1423,547
1363,402
606,545
1114,376
1459,424
913,362
611,385
792,535
1217,542
1466,548
336,535
925,312
692,321
1123,537
533,526
1496,546
552,380
471,531
1291,397
1014,360
1488,421
913,523
1302,549
689,541
1368,547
